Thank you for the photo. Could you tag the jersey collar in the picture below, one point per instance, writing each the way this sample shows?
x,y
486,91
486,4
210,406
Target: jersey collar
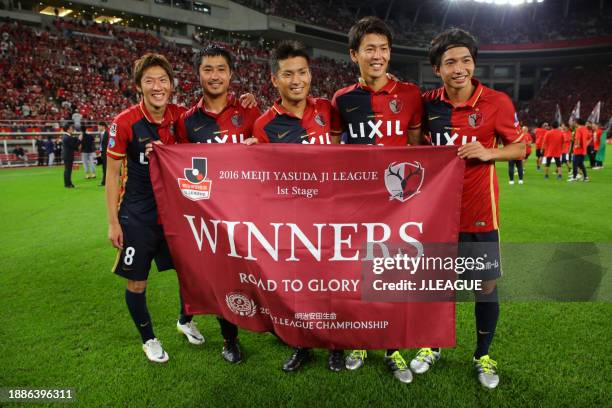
x,y
479,88
388,88
280,110
231,102
168,116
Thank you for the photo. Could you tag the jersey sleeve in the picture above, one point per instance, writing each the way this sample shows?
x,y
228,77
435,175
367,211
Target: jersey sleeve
x,y
253,114
507,125
336,120
259,133
119,135
180,132
415,101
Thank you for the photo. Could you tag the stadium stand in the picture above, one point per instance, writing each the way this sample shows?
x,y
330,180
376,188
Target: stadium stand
x,y
74,70
76,65
566,87
491,27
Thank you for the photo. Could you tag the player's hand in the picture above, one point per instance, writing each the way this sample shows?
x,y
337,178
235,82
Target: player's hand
x,y
115,235
247,100
392,77
149,148
475,150
251,141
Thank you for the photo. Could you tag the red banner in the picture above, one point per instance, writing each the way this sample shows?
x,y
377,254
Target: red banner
x,y
274,237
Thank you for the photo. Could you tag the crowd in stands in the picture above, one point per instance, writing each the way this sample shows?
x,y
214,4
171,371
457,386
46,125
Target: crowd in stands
x,y
515,27
54,72
322,13
567,86
84,68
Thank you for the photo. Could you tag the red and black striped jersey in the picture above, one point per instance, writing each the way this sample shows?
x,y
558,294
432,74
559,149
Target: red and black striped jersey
x,y
233,124
277,125
384,117
487,117
129,133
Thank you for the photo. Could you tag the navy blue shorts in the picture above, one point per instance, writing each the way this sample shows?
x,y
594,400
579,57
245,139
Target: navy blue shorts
x,y
484,248
141,246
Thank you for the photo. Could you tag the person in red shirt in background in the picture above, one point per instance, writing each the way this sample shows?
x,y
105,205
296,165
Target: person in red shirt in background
x,y
591,145
597,132
553,148
581,141
519,163
567,143
539,139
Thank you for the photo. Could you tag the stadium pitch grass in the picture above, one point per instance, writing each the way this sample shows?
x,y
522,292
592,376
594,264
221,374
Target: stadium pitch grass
x,y
65,323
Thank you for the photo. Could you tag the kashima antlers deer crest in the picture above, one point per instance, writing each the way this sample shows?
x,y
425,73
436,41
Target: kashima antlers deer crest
x,y
404,180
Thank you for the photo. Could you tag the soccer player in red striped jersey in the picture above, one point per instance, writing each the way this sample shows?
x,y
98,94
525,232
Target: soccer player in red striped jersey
x,y
295,117
218,117
134,227
468,114
378,110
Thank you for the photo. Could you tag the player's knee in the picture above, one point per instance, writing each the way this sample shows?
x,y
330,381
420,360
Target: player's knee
x,y
136,286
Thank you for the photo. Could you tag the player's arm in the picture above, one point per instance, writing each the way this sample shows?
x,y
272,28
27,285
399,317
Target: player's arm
x,y
253,114
113,170
508,130
115,154
475,150
337,125
259,134
415,132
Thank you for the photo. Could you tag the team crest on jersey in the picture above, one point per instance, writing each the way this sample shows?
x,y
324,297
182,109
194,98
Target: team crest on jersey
x,y
111,142
237,120
113,130
404,180
396,105
475,119
320,120
240,304
195,186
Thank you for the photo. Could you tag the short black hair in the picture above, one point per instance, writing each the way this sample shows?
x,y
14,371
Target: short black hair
x,y
555,124
213,51
368,25
581,121
285,50
451,38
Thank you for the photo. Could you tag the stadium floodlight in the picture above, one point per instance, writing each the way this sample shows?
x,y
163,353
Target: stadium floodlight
x,y
508,2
